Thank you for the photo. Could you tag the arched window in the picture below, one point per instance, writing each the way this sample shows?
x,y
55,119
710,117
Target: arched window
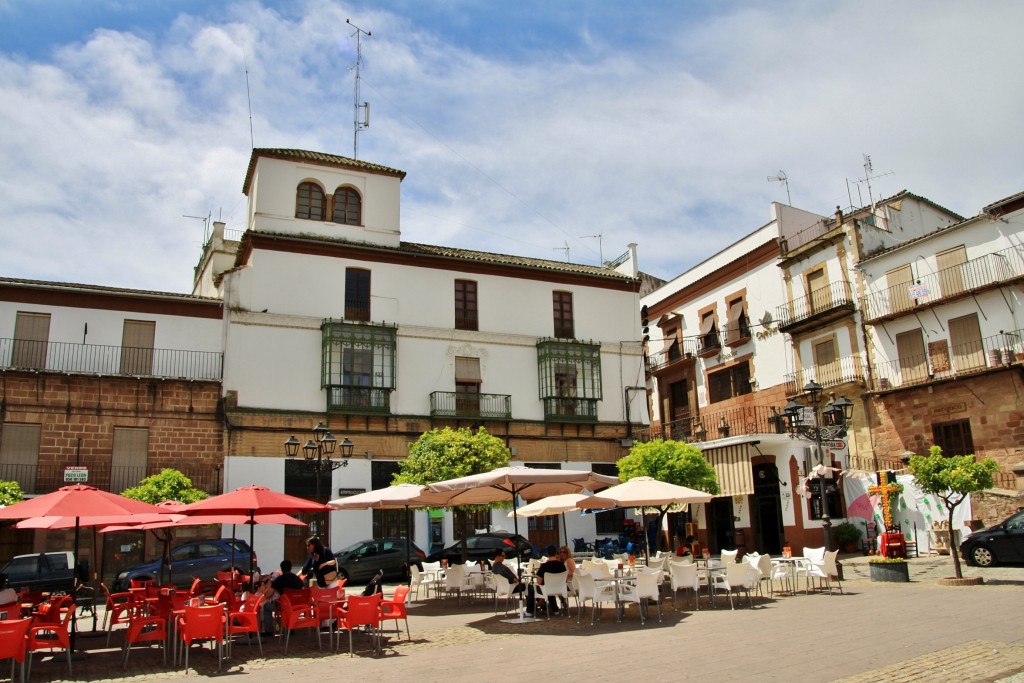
x,y
309,202
348,206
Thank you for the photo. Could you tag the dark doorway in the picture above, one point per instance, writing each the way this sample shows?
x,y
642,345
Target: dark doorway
x,y
721,526
767,510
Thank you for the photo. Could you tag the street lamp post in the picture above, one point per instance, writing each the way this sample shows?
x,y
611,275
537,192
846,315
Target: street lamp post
x,y
829,423
318,451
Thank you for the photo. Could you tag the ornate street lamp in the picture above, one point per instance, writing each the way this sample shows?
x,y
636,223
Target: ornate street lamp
x,y
829,423
318,451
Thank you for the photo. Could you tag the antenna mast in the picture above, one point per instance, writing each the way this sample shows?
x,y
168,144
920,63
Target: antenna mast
x,y
365,106
782,178
248,98
600,249
868,170
565,249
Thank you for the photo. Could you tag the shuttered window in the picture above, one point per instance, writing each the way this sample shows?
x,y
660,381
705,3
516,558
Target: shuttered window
x,y
19,454
912,359
129,458
965,338
951,272
137,347
31,334
899,281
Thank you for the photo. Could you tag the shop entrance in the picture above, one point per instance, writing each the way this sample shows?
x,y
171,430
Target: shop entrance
x,y
767,510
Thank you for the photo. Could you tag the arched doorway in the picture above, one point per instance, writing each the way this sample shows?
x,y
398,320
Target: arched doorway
x,y
766,513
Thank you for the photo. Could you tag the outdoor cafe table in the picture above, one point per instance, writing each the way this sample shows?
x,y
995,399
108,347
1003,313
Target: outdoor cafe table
x,y
791,564
526,579
710,568
617,581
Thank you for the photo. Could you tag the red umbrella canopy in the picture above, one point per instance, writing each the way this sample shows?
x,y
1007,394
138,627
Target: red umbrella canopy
x,y
51,522
249,500
78,501
208,518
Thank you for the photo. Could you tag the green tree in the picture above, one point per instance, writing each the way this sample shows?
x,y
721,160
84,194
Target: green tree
x,y
675,462
450,453
169,484
10,493
952,479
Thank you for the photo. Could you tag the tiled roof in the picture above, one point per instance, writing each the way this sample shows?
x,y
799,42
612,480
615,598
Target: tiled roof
x,y
102,289
316,158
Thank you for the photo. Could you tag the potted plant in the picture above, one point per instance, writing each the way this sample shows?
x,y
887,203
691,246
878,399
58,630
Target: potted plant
x,y
891,569
846,536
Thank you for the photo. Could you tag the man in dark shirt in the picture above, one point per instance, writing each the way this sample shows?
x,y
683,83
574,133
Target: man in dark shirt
x,y
273,588
499,567
553,565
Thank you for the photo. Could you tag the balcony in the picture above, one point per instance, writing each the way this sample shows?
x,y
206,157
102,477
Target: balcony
x,y
821,306
848,370
95,359
709,344
675,353
470,405
39,479
717,424
564,409
363,400
974,276
945,362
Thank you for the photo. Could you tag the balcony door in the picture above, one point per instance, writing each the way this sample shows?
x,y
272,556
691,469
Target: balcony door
x,y
912,359
137,339
965,338
31,334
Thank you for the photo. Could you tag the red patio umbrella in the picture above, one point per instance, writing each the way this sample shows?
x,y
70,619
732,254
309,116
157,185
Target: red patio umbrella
x,y
250,500
82,503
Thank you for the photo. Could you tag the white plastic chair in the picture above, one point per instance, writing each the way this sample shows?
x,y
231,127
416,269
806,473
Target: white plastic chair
x,y
657,562
647,589
684,577
824,572
589,590
738,576
729,556
812,558
456,581
502,589
433,577
555,584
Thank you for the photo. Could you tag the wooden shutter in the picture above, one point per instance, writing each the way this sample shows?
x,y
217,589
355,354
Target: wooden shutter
x,y
817,287
129,459
899,281
911,354
965,338
31,334
951,272
826,364
19,454
467,370
137,347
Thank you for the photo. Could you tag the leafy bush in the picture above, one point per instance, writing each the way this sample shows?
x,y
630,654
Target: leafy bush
x,y
847,533
887,560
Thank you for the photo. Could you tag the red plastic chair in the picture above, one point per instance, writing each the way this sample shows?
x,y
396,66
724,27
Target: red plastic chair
x,y
395,608
140,583
297,615
14,642
246,619
226,597
144,628
361,611
202,624
117,610
49,629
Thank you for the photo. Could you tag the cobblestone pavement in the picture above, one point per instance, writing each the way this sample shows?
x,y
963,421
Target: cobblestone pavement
x,y
917,631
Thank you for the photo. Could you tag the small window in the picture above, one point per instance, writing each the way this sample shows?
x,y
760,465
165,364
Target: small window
x,y
737,329
709,341
728,383
348,207
562,303
357,294
31,334
954,438
309,202
465,305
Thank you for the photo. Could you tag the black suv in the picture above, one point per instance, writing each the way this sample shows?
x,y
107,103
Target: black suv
x,y
53,572
484,546
195,560
361,561
999,544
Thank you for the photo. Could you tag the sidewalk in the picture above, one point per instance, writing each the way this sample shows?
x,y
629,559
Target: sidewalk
x,y
872,632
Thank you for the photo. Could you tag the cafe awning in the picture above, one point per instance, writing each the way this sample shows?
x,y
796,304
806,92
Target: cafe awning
x,y
732,466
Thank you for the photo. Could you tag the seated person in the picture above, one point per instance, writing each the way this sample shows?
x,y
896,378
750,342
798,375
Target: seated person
x,y
273,588
8,596
499,567
553,565
685,549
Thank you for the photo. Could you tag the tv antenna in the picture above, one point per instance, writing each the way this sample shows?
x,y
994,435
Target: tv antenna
x,y
565,249
782,178
248,98
600,249
868,177
364,122
206,224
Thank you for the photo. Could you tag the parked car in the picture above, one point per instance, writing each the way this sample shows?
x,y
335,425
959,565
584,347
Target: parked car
x,y
483,546
361,561
53,572
1002,543
197,559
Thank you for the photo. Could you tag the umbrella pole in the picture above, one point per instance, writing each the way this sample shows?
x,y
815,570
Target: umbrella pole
x,y
74,591
252,548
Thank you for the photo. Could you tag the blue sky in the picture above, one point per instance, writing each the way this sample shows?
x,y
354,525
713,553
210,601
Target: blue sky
x,y
522,126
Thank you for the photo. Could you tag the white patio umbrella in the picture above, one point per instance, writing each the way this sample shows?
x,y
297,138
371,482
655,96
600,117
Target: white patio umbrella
x,y
508,483
645,492
552,505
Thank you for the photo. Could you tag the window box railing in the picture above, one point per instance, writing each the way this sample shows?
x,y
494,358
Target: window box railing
x,y
947,284
840,371
374,400
466,404
570,409
38,479
821,304
970,358
97,359
709,344
672,355
717,424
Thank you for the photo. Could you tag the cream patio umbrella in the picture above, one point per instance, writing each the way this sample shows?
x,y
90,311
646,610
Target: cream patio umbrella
x,y
645,492
552,505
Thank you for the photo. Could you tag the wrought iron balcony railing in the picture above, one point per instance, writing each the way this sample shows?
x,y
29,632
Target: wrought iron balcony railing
x,y
824,303
563,409
347,399
950,283
845,370
946,361
676,352
38,479
717,424
96,359
466,404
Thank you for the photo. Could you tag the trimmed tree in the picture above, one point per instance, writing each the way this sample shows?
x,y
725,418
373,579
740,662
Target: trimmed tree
x,y
952,479
450,453
675,462
10,493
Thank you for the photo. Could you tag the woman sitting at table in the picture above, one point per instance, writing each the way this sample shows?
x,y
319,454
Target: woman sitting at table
x,y
552,565
570,566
